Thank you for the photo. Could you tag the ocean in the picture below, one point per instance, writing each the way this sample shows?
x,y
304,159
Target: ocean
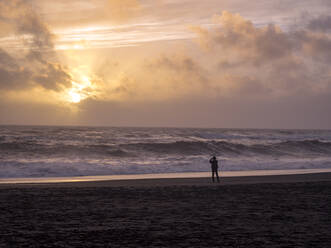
x,y
54,151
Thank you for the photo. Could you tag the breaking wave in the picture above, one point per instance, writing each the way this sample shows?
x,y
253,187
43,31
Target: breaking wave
x,y
285,148
76,151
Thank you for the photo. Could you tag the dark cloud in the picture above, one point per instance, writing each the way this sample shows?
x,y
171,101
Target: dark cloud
x,y
321,23
11,74
31,24
23,20
315,45
12,80
52,76
6,60
176,64
184,69
34,68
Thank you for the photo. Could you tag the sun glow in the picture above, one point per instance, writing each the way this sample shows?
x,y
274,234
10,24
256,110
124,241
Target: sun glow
x,y
81,89
75,97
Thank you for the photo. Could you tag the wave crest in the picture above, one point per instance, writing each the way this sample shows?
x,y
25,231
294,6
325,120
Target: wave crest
x,y
290,148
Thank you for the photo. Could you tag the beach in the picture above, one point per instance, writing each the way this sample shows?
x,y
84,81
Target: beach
x,y
253,211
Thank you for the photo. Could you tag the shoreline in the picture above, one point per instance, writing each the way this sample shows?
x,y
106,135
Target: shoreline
x,y
177,179
72,179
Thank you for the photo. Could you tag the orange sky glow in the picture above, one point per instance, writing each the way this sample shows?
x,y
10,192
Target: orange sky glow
x,y
166,63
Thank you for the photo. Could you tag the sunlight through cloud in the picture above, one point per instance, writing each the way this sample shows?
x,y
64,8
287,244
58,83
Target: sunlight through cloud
x,y
81,89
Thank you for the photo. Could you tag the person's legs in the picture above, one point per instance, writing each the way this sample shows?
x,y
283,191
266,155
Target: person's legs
x,y
218,179
213,175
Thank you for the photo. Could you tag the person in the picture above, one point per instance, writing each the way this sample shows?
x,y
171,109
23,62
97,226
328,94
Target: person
x,y
214,168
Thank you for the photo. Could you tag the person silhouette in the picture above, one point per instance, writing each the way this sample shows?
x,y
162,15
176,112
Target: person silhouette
x,y
214,168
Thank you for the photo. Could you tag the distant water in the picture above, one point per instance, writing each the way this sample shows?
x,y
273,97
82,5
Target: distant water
x,y
34,151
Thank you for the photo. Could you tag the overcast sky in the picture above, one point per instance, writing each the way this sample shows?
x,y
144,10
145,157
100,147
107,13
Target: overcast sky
x,y
188,63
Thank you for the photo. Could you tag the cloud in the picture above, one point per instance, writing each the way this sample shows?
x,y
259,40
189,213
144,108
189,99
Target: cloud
x,y
316,45
52,76
20,70
238,59
20,18
11,74
158,78
321,23
281,62
239,38
37,65
42,38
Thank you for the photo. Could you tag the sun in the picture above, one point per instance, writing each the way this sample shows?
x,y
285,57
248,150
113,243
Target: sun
x,y
74,97
80,90
83,86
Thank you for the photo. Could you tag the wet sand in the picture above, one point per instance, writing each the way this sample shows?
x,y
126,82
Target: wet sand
x,y
261,211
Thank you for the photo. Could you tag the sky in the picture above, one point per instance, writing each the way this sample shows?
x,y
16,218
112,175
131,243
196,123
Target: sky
x,y
168,63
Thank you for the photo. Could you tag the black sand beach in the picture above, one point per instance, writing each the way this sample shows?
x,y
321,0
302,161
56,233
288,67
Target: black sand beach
x,y
268,211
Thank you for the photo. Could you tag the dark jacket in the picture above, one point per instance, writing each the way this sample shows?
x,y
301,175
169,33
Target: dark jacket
x,y
214,163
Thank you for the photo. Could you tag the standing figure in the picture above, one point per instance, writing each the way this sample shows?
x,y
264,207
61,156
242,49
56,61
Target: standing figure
x,y
214,168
